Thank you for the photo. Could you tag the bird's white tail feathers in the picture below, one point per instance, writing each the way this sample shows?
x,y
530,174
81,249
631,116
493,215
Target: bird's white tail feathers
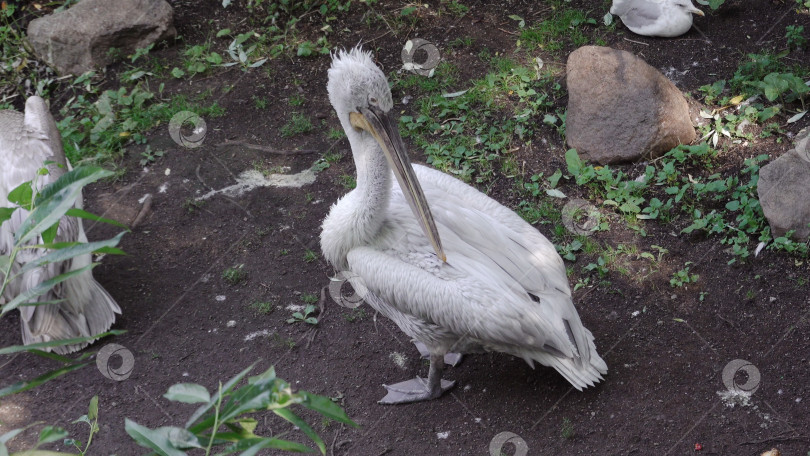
x,y
580,371
88,310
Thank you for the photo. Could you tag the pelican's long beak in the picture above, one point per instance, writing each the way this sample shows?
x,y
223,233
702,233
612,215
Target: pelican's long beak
x,y
697,11
384,129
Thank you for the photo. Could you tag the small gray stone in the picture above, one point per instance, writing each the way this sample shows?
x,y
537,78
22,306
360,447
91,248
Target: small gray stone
x,y
79,39
621,109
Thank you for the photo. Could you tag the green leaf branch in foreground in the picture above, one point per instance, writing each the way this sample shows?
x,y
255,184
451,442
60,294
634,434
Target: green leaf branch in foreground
x,y
222,421
47,208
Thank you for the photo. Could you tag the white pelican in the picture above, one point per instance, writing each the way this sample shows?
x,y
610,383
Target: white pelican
x,y
666,18
501,287
26,142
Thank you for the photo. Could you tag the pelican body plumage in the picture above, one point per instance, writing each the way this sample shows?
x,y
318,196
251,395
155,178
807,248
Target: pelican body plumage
x,y
27,141
460,274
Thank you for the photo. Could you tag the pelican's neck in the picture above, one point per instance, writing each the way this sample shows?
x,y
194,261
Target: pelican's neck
x,y
355,220
373,174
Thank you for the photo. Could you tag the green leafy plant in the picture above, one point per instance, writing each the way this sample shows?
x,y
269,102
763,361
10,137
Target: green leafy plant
x,y
241,54
235,274
148,157
39,229
683,277
223,422
50,434
304,316
795,37
91,419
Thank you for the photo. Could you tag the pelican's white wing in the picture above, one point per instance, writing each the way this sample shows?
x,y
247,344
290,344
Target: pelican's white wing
x,y
503,287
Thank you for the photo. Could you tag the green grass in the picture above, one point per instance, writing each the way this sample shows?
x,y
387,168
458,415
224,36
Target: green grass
x,y
262,307
297,124
235,274
310,256
564,26
296,100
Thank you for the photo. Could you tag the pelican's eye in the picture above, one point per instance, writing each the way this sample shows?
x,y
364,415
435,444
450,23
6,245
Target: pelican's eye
x,y
372,100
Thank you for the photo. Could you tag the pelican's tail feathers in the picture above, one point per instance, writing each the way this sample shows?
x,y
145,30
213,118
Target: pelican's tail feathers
x,y
581,373
87,310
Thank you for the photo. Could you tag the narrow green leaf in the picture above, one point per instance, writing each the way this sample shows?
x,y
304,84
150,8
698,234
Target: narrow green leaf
x,y
72,251
92,409
28,384
80,213
327,408
288,415
224,390
189,393
41,289
50,434
57,343
11,434
55,200
251,447
154,440
82,175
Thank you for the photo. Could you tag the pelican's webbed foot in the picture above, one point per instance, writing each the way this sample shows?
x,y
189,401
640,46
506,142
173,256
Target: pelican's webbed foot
x,y
414,390
420,389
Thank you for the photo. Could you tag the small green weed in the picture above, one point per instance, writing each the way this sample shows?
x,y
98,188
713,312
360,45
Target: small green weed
x,y
259,102
310,256
148,157
683,277
235,274
304,316
296,100
263,307
795,37
567,429
298,124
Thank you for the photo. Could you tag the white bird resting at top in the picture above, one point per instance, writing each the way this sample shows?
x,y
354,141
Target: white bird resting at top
x,y
464,274
83,308
665,18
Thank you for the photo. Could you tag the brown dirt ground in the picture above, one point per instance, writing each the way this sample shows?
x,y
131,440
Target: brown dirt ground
x,y
660,396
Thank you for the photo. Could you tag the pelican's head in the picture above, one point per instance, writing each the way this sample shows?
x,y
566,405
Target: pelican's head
x,y
356,82
359,92
687,6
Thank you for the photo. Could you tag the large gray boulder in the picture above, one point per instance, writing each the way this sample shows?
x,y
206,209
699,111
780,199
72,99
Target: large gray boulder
x,y
784,191
621,109
79,39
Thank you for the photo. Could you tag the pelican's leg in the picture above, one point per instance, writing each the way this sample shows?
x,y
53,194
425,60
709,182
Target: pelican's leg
x,y
420,389
449,358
